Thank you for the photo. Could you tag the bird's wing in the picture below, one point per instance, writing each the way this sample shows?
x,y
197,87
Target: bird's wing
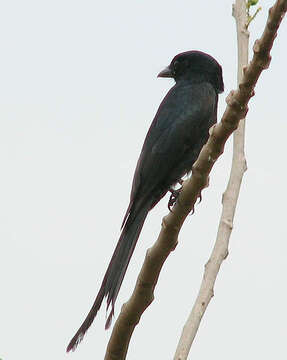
x,y
185,113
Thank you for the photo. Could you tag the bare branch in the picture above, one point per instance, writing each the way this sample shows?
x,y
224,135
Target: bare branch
x,y
236,109
229,200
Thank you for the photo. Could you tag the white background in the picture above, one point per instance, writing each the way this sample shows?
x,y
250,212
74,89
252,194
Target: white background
x,y
78,93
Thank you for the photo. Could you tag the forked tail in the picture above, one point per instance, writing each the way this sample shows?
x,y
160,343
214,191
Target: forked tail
x,y
115,273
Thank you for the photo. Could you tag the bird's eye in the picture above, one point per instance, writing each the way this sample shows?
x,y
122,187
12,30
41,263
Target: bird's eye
x,y
175,65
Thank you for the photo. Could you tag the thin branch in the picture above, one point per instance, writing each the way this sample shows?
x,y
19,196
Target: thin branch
x,y
248,5
236,109
229,201
251,18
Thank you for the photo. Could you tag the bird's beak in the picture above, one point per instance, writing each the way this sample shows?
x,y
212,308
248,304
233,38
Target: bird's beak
x,y
166,73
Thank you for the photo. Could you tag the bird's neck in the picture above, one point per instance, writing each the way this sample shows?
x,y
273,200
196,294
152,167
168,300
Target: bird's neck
x,y
193,78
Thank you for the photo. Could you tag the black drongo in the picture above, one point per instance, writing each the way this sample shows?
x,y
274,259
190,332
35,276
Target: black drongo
x,y
173,142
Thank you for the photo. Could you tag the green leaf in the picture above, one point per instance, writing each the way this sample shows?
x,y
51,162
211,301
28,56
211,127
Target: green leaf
x,y
251,2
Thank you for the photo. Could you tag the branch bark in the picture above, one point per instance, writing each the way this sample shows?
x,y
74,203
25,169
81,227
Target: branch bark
x,y
229,201
236,109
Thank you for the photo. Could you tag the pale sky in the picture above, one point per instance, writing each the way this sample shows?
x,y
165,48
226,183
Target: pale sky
x,y
78,93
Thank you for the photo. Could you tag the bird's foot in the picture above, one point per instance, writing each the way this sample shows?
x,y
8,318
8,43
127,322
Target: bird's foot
x,y
173,198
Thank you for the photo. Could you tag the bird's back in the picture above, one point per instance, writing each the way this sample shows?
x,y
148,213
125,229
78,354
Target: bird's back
x,y
176,135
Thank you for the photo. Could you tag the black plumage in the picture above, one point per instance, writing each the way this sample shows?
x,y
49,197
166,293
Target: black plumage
x,y
173,142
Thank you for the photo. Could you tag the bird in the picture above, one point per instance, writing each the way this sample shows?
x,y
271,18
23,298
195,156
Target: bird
x,y
173,142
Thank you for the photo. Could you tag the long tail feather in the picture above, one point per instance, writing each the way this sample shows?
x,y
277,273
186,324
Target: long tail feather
x,y
115,273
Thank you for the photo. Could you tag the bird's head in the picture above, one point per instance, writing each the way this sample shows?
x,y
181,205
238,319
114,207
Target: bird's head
x,y
192,65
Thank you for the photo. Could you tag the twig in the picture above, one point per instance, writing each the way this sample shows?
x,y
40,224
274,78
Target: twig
x,y
236,109
250,18
229,201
